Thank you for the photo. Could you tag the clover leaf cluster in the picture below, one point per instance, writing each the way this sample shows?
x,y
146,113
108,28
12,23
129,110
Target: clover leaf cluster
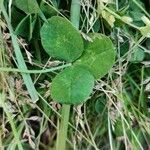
x,y
90,60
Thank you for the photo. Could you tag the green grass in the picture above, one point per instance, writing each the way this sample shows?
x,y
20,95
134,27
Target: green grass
x,y
116,116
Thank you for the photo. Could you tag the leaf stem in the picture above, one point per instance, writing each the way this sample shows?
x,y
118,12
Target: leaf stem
x,y
62,133
3,69
75,13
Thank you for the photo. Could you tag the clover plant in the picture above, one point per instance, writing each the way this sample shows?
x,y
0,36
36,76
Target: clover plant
x,y
90,60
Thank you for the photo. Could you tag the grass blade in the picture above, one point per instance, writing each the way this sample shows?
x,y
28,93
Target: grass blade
x,y
21,63
10,119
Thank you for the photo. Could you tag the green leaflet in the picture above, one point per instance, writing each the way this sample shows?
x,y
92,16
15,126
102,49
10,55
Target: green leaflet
x,y
145,31
48,10
25,28
72,86
99,55
138,55
61,40
28,6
